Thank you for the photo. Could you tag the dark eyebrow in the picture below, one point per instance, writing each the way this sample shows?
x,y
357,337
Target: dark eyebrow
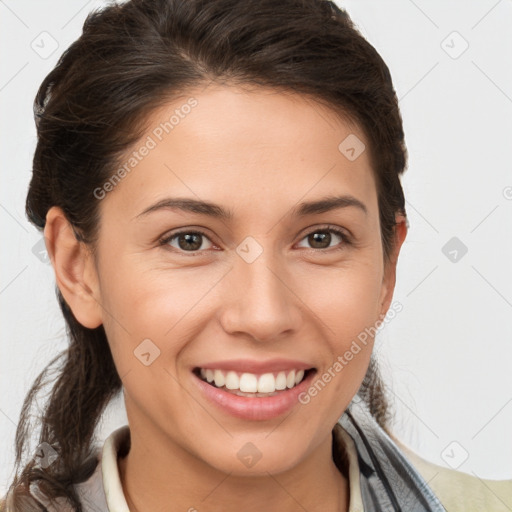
x,y
189,205
327,204
214,210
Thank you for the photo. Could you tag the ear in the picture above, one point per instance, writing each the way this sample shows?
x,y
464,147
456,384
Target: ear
x,y
75,272
389,278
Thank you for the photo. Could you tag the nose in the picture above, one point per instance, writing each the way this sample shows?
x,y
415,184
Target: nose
x,y
261,303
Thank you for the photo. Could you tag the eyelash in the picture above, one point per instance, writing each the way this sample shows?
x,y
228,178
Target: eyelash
x,y
346,240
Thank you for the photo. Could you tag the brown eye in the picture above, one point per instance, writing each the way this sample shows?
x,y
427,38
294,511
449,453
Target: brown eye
x,y
187,241
322,238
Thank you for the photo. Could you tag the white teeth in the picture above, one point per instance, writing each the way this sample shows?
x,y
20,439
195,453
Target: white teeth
x,y
248,383
266,383
232,381
219,378
299,376
281,381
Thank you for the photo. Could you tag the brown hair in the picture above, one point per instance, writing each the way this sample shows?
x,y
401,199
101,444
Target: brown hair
x,y
130,59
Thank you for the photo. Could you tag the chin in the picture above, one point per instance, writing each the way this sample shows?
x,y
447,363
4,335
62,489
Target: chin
x,y
252,458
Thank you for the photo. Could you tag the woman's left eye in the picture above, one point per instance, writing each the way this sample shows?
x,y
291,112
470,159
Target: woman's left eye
x,y
321,238
192,241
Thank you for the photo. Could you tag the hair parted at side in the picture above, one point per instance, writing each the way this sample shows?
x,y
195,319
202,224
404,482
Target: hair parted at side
x,y
130,59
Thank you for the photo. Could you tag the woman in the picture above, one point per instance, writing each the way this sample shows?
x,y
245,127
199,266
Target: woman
x,y
219,188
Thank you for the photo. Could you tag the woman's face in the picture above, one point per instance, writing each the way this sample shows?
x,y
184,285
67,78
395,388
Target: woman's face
x,y
264,289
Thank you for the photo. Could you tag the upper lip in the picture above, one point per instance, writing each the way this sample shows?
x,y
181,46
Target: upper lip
x,y
254,366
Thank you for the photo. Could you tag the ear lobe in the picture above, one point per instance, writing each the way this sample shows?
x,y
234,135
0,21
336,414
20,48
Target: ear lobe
x,y
389,279
74,269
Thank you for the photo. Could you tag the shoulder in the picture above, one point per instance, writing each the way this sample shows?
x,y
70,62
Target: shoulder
x,y
103,491
91,492
460,491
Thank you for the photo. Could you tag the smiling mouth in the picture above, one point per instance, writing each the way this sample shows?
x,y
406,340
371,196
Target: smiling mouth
x,y
252,384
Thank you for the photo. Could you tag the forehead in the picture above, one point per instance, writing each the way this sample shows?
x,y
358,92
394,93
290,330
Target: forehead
x,y
242,147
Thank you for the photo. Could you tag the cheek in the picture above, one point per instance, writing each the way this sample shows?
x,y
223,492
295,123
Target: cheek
x,y
346,300
347,306
161,305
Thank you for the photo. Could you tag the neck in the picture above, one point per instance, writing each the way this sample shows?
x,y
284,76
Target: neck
x,y
154,477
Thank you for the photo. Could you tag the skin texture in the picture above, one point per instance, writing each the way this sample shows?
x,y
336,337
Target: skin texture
x,y
258,153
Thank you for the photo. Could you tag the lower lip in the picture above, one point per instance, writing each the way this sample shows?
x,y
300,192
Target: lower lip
x,y
254,408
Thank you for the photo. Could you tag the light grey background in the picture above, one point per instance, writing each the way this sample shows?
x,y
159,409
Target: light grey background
x,y
447,356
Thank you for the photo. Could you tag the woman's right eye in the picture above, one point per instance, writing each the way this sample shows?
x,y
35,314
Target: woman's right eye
x,y
186,241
